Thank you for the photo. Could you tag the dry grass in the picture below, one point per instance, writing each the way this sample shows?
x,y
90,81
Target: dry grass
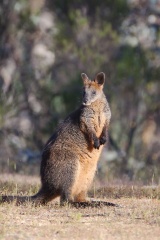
x,y
139,217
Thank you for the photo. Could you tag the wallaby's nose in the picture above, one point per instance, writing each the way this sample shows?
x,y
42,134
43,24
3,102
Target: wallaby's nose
x,y
86,102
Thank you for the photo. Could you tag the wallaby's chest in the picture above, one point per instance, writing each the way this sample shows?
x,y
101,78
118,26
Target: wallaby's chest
x,y
99,120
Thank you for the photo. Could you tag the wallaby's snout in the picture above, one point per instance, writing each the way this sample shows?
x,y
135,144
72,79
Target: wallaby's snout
x,y
86,98
86,102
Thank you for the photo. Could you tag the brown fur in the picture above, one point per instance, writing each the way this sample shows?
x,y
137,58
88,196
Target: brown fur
x,y
70,157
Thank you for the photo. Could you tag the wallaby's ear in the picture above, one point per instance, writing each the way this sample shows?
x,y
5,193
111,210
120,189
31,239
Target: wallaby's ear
x,y
100,78
84,78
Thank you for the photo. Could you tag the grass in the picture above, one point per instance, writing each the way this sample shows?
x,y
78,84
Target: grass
x,y
138,218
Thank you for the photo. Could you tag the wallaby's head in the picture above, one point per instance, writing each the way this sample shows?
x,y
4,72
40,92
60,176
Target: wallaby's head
x,y
92,90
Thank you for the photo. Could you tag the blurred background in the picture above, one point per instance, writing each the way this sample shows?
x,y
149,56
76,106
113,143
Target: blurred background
x,y
46,44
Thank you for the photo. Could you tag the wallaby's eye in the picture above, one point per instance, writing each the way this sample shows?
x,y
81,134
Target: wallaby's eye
x,y
94,92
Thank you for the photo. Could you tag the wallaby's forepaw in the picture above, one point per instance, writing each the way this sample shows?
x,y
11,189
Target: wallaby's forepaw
x,y
103,140
96,144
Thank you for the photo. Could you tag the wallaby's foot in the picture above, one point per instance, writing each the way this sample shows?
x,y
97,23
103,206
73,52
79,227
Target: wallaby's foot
x,y
93,203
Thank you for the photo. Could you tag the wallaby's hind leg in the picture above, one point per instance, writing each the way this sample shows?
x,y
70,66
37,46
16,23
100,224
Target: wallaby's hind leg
x,y
69,174
66,191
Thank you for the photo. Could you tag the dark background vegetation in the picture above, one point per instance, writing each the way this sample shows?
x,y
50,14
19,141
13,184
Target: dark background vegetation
x,y
45,45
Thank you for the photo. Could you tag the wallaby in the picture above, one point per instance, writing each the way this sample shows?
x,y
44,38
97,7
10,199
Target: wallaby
x,y
70,156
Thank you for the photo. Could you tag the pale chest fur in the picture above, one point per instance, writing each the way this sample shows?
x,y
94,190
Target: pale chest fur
x,y
101,115
98,121
95,117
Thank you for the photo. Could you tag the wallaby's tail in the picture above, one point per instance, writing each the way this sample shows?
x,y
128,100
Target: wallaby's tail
x,y
36,199
41,198
16,199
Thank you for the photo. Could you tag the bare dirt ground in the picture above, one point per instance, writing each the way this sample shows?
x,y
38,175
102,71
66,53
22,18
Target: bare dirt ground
x,y
137,218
